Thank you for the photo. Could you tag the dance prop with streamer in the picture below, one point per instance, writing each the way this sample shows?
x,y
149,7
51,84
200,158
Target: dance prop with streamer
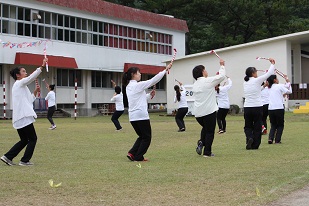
x,y
46,65
37,85
174,56
154,89
214,52
276,70
46,84
177,81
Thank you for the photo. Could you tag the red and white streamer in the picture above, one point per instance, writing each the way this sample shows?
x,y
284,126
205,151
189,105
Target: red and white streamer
x,y
4,102
276,70
75,104
37,85
173,58
46,65
215,53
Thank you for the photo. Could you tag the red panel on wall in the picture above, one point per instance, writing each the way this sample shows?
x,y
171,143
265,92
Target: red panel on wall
x,y
36,60
144,69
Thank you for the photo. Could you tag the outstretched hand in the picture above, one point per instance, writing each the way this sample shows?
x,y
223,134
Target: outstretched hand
x,y
272,61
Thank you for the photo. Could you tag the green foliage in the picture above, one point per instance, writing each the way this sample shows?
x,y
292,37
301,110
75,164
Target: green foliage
x,y
220,23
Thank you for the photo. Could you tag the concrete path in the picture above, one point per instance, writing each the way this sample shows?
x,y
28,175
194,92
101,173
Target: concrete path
x,y
297,198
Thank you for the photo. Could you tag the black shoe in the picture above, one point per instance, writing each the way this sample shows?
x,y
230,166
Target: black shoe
x,y
199,147
182,130
270,141
249,143
130,156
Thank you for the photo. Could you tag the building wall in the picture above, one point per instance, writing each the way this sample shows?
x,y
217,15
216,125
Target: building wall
x,y
236,61
88,57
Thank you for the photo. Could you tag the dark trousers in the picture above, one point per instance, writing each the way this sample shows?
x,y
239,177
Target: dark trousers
x,y
142,143
27,138
115,118
208,124
253,125
265,114
50,113
221,118
181,113
276,118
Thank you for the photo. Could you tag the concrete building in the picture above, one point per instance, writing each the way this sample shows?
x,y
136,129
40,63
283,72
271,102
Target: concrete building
x,y
92,41
291,53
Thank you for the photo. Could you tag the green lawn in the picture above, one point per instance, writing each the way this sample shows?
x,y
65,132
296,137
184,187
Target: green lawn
x,y
89,157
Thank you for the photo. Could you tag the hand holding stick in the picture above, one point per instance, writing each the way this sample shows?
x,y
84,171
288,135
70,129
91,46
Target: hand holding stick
x,y
174,56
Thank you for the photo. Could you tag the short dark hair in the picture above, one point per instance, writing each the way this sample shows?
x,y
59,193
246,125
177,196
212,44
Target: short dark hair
x,y
117,89
52,87
271,80
198,71
15,71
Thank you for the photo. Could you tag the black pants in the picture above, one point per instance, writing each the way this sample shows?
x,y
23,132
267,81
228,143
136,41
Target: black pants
x,y
265,114
221,118
115,118
208,124
142,143
27,138
276,118
50,113
181,113
253,125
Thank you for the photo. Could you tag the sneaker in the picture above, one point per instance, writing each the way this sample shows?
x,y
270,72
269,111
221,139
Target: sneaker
x,y
25,163
7,161
53,127
117,130
221,131
277,142
263,128
182,130
212,155
270,141
199,147
249,143
265,132
130,156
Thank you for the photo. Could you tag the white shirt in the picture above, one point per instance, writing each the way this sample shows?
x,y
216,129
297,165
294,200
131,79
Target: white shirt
x,y
223,96
265,95
252,88
118,99
51,98
183,100
205,94
22,100
276,95
137,97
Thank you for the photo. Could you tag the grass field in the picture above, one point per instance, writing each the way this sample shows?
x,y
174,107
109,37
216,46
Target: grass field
x,y
89,157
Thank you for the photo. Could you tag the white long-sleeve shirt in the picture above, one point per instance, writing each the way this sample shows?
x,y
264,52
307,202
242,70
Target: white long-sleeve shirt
x,y
137,97
265,95
223,96
118,99
205,94
22,100
276,96
183,100
252,88
51,98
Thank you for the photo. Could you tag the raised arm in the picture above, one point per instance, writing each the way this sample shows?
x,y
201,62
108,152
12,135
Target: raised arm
x,y
34,75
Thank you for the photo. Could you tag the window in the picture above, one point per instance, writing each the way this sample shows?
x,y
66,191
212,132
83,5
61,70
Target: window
x,y
101,79
161,84
18,21
66,77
